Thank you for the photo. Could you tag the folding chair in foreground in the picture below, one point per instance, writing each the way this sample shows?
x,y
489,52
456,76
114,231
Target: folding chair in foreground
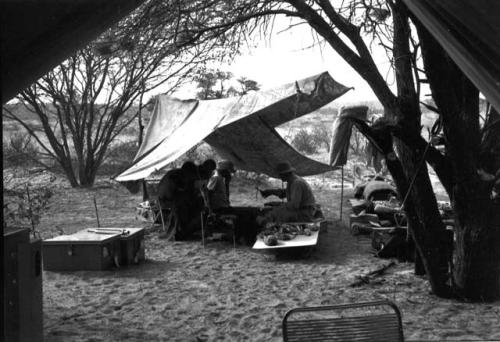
x,y
378,321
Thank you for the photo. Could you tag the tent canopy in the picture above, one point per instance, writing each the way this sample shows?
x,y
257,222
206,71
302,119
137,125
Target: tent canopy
x,y
469,31
241,129
38,35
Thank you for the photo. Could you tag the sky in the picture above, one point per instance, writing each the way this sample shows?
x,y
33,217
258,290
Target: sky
x,y
287,56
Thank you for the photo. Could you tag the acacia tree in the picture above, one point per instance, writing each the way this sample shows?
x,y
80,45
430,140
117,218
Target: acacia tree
x,y
86,101
349,27
247,85
212,84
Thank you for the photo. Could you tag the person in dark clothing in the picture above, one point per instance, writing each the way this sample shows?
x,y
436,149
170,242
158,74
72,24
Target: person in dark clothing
x,y
219,203
169,188
218,186
206,169
178,196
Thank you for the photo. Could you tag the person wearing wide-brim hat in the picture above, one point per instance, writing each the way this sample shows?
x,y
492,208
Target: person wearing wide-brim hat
x,y
300,205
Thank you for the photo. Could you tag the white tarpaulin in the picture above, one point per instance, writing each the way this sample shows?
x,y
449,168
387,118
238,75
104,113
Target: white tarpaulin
x,y
342,130
469,31
239,128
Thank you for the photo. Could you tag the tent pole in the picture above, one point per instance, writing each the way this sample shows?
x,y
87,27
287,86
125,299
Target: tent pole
x,y
341,192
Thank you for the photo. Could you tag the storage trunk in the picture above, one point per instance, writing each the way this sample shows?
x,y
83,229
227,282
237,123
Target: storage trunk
x,y
132,246
84,250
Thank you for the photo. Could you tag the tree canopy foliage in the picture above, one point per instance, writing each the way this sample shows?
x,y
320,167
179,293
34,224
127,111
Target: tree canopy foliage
x,y
215,84
86,101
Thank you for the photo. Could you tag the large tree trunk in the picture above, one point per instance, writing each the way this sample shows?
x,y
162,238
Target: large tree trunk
x,y
477,259
424,220
423,217
477,217
68,170
88,171
425,223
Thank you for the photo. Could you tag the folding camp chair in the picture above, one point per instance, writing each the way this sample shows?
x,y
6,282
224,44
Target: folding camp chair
x,y
220,223
369,321
157,215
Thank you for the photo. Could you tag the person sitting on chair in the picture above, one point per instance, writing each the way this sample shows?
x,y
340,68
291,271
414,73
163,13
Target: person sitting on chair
x,y
300,205
205,172
177,192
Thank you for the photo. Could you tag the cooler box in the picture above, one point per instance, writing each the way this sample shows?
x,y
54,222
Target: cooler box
x,y
132,246
88,249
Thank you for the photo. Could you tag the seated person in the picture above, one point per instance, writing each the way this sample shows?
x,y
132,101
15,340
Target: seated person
x,y
217,196
205,171
177,192
218,187
300,205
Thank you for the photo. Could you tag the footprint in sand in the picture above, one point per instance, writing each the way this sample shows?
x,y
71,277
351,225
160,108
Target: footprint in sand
x,y
107,310
108,281
236,316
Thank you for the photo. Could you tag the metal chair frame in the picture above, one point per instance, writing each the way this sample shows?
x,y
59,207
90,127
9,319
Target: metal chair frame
x,y
362,327
168,224
227,218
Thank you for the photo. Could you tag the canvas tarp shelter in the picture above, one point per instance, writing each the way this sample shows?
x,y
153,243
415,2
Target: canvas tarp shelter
x,y
342,129
469,31
341,138
241,129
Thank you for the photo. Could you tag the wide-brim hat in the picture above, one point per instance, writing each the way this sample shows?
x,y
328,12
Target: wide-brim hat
x,y
226,165
284,167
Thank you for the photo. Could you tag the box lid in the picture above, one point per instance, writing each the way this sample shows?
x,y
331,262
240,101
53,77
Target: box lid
x,y
11,231
86,236
125,233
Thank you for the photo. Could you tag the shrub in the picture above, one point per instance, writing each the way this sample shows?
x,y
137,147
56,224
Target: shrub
x,y
118,157
304,142
18,210
19,150
321,136
358,143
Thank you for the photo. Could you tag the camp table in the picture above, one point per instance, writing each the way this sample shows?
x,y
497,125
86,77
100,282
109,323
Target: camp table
x,y
297,241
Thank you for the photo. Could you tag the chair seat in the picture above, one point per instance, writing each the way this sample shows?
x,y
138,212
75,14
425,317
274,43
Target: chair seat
x,y
370,321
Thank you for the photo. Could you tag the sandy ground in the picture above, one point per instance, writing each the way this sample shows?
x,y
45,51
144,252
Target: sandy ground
x,y
184,292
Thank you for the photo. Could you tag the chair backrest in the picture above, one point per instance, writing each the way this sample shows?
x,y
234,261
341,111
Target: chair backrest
x,y
369,321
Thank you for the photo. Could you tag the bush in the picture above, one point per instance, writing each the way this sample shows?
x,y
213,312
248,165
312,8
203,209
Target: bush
x,y
18,210
322,137
358,143
17,151
118,157
304,142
